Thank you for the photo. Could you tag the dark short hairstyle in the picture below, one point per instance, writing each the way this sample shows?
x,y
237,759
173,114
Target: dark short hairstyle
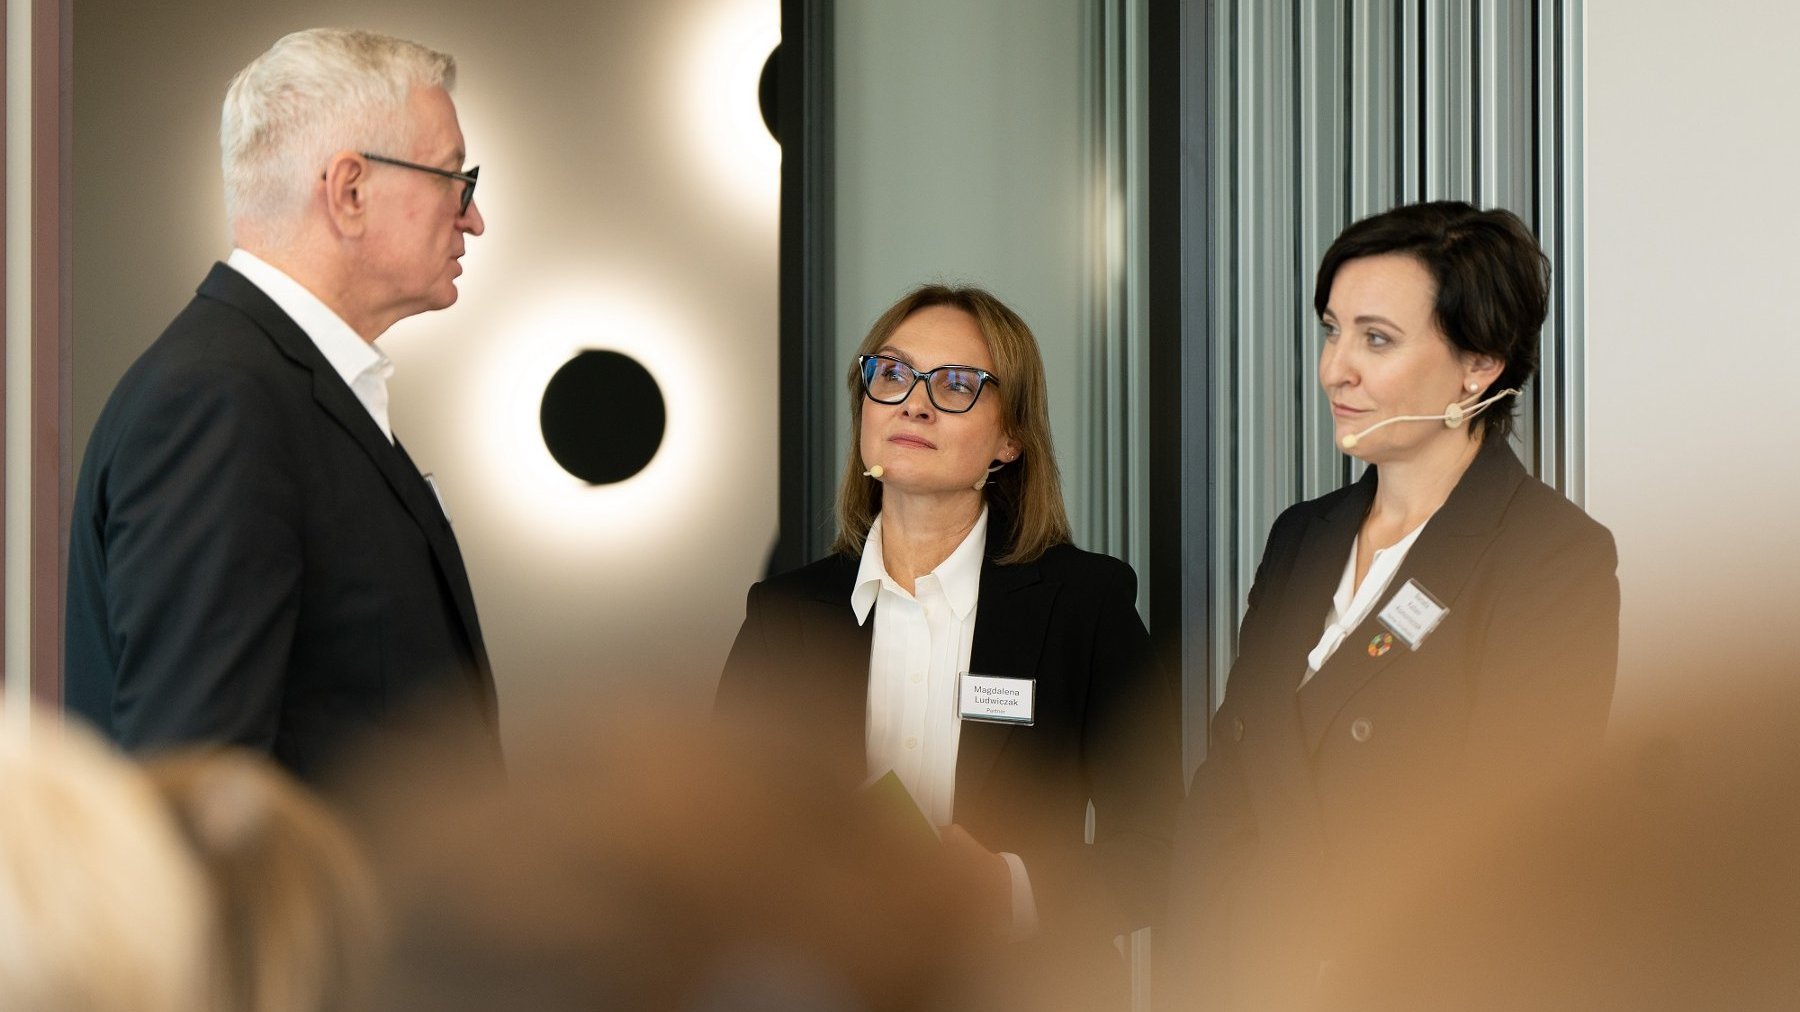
x,y
1493,283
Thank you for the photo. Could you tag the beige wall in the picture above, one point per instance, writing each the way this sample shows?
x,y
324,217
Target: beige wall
x,y
630,194
1694,451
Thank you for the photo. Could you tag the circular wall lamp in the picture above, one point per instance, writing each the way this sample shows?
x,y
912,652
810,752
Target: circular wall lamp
x,y
602,417
768,93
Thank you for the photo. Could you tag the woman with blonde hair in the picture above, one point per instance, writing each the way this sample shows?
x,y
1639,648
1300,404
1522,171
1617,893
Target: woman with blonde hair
x,y
955,638
101,907
297,923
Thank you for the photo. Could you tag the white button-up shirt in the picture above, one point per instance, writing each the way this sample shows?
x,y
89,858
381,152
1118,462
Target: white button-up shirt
x,y
1348,610
919,650
920,647
362,365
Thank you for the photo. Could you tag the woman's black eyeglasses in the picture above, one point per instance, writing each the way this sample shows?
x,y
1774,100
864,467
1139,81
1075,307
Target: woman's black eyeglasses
x,y
951,388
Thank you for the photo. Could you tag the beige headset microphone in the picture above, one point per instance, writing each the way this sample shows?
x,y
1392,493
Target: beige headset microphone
x,y
1454,415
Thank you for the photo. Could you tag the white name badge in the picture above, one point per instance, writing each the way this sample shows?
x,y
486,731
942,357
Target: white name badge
x,y
431,480
997,699
1412,613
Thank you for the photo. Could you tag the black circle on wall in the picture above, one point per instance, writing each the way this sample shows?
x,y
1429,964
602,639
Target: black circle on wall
x,y
767,93
602,417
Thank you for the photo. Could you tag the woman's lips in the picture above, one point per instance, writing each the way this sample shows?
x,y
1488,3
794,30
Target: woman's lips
x,y
915,441
1345,411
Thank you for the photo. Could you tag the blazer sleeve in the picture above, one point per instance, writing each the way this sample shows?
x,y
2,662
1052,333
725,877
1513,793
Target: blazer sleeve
x,y
1549,650
744,684
203,563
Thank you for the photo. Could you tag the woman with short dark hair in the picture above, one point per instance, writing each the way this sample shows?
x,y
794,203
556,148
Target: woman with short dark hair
x,y
1445,620
956,638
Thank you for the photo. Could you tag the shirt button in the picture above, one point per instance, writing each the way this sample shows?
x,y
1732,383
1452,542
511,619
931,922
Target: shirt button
x,y
917,678
1361,729
912,742
1237,729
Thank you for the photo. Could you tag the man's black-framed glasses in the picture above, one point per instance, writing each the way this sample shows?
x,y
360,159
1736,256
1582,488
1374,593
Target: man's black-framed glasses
x,y
951,388
466,178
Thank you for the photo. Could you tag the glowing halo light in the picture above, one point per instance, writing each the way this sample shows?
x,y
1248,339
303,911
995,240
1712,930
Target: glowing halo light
x,y
723,74
556,506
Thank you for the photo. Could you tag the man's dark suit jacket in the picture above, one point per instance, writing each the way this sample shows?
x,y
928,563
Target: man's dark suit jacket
x,y
1107,724
1306,791
252,561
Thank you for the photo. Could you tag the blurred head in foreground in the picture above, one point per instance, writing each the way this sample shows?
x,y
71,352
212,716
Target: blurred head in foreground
x,y
101,907
297,925
636,861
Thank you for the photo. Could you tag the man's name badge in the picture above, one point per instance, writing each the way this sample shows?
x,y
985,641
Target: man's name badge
x,y
1412,613
996,699
431,481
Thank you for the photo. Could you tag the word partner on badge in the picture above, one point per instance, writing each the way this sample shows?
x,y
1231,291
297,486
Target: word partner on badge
x,y
997,699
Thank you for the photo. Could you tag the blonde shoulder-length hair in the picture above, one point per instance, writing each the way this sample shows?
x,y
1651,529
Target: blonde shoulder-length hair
x,y
1026,512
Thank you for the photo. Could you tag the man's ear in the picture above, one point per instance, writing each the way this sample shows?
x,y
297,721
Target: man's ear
x,y
346,193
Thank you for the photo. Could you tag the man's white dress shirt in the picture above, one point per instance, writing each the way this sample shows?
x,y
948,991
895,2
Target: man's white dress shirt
x,y
362,365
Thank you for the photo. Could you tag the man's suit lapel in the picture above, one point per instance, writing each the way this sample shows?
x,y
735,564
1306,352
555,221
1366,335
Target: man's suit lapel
x,y
1442,561
425,508
1012,615
335,398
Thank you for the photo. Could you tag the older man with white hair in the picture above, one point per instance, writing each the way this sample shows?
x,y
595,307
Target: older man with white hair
x,y
254,558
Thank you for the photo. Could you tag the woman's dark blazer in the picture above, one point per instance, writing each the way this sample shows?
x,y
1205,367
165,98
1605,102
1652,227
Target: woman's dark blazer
x,y
1107,724
1305,789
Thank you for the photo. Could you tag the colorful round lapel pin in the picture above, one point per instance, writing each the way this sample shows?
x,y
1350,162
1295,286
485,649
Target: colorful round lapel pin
x,y
1381,644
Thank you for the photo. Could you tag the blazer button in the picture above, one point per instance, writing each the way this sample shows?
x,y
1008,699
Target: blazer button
x,y
1237,729
1361,729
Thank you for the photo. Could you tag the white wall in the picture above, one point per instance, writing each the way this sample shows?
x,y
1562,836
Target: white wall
x,y
630,193
1693,342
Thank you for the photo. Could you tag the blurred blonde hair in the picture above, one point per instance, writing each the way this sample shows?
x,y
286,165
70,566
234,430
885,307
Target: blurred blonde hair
x,y
101,907
298,924
1026,494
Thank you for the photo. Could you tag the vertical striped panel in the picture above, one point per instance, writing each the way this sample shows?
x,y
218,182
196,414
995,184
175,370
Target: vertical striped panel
x,y
1371,62
1448,136
1323,195
1115,434
1562,176
1223,324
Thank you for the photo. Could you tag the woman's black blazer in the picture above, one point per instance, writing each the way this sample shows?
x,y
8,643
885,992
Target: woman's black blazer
x,y
1305,791
1107,725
